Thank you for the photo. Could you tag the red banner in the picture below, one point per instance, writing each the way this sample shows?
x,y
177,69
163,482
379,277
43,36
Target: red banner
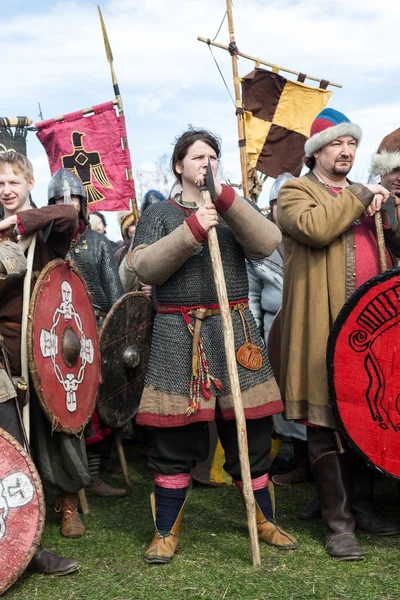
x,y
91,147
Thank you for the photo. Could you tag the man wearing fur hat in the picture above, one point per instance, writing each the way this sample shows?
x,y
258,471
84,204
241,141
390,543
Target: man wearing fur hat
x,y
385,162
330,250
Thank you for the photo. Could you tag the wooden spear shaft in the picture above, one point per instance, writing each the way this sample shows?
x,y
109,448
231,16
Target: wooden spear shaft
x,y
235,385
239,105
117,93
381,242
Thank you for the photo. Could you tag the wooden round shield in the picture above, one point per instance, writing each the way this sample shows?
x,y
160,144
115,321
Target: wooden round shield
x,y
125,338
363,361
22,510
63,347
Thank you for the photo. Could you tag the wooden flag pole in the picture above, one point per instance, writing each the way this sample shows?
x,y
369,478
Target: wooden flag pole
x,y
117,93
260,61
238,100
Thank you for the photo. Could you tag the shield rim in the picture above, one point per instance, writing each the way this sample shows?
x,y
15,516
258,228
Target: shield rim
x,y
106,321
42,510
33,370
330,352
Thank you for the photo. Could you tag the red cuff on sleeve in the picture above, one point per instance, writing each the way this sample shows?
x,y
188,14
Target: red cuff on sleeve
x,y
198,231
225,200
20,227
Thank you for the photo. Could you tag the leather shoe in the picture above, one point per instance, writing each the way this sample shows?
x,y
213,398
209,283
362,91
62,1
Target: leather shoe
x,y
344,546
311,511
298,475
98,487
368,521
50,564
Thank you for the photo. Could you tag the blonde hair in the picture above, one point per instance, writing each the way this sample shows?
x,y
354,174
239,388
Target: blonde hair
x,y
18,162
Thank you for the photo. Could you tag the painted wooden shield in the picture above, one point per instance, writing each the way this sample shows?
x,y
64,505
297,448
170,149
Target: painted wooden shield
x,y
63,347
363,362
125,338
22,510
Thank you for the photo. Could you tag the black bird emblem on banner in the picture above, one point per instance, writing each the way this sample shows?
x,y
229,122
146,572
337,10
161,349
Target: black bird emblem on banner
x,y
86,165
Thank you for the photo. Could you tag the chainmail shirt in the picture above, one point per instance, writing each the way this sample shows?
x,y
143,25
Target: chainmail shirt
x,y
191,285
93,255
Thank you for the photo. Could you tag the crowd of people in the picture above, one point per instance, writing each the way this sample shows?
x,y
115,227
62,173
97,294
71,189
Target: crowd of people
x,y
316,247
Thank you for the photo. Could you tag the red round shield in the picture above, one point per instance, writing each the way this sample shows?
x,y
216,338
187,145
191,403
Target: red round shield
x,y
63,347
22,510
363,361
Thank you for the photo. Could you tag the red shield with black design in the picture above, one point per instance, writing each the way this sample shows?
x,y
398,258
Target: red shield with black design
x,y
22,510
63,347
363,361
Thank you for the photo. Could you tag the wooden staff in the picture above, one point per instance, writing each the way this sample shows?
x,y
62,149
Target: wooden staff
x,y
117,93
381,242
236,394
121,456
239,104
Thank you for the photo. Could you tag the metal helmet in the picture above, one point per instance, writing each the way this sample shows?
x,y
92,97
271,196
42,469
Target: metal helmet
x,y
278,183
65,184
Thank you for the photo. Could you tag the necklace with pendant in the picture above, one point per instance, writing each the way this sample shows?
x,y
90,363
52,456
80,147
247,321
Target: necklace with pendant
x,y
178,200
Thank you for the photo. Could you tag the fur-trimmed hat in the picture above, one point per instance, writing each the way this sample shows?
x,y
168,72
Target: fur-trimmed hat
x,y
387,158
329,125
126,218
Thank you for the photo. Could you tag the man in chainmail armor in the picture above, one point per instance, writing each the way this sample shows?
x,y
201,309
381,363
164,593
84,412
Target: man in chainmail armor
x,y
187,383
92,253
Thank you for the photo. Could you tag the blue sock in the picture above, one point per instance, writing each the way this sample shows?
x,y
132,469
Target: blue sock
x,y
168,504
263,500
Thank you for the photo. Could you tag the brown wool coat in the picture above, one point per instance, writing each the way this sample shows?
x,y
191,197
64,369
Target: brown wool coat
x,y
319,276
64,224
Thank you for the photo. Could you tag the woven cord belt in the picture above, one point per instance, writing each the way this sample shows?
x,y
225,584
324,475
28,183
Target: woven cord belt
x,y
201,378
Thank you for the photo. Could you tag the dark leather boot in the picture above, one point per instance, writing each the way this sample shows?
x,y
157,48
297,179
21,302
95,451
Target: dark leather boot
x,y
311,511
333,485
50,564
363,500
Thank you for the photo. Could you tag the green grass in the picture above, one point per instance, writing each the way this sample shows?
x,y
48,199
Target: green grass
x,y
214,561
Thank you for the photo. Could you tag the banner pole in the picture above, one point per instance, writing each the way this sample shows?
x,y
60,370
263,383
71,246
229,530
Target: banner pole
x,y
117,93
233,51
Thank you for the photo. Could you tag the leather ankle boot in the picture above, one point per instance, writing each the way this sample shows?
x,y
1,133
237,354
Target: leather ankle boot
x,y
50,564
268,531
271,534
334,489
71,524
362,478
163,547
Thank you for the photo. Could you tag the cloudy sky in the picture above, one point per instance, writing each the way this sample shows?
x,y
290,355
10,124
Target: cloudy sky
x,y
55,56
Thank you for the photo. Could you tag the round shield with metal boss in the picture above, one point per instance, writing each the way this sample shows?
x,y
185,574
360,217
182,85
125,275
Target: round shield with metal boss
x,y
125,338
63,347
363,362
22,510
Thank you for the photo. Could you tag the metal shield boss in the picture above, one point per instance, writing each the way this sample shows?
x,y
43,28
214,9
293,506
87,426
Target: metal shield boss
x,y
63,347
22,510
363,361
125,338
